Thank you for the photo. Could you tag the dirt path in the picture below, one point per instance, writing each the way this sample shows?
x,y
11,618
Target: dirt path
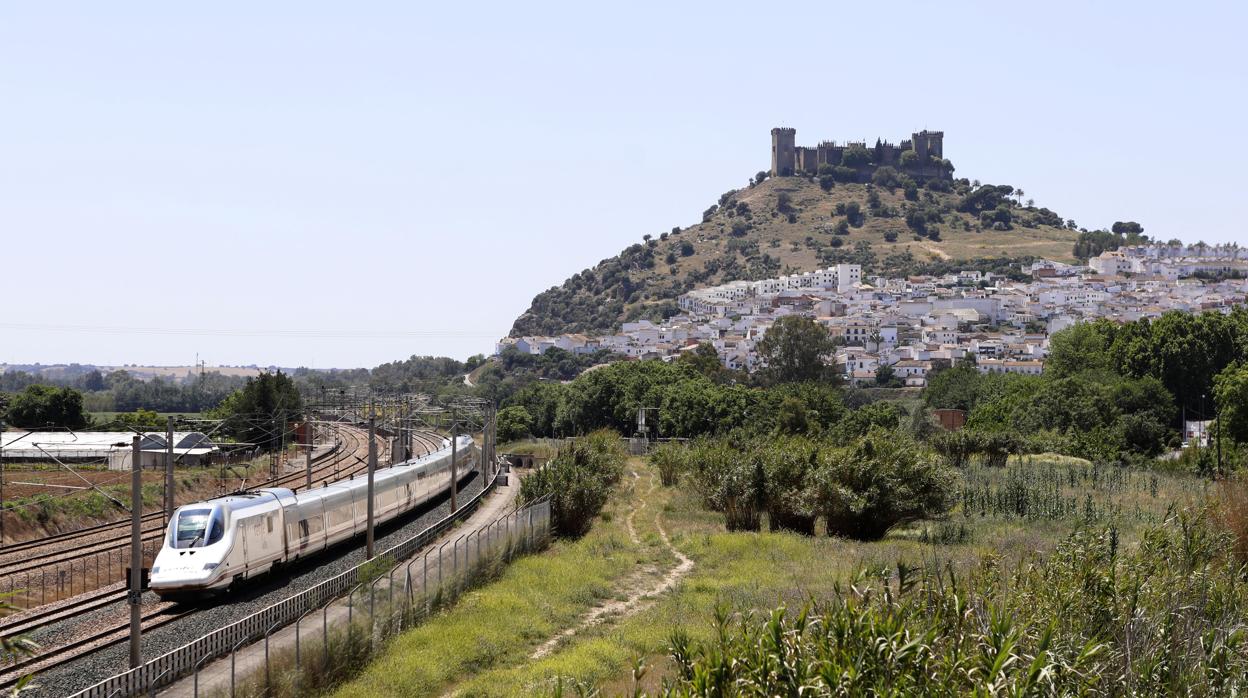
x,y
640,588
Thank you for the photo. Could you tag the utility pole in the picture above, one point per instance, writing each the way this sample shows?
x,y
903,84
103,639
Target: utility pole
x,y
372,468
1,484
1217,434
169,503
135,597
454,463
281,451
309,428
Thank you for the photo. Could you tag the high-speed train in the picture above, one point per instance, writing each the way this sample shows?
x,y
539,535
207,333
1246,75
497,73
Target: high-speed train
x,y
211,545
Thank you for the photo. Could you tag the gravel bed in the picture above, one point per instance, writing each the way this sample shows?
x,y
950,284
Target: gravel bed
x,y
265,591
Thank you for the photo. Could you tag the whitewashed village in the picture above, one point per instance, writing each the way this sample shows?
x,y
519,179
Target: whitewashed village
x,y
895,331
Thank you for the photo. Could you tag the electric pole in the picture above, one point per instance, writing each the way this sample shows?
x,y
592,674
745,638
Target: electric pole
x,y
372,467
1,484
135,597
454,464
169,499
1217,434
309,428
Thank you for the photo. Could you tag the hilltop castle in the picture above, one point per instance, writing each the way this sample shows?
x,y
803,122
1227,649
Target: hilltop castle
x,y
921,157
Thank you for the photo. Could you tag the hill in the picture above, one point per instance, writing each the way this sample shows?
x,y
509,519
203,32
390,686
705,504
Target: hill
x,y
792,224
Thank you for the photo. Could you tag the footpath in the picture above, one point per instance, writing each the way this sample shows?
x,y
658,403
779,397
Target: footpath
x,y
314,635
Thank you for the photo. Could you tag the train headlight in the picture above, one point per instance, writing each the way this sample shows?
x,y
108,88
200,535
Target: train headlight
x,y
210,565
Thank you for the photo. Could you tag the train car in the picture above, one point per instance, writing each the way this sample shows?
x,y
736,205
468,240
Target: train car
x,y
210,546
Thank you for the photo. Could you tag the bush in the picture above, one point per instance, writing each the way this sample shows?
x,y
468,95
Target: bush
x,y
671,461
578,481
881,481
789,494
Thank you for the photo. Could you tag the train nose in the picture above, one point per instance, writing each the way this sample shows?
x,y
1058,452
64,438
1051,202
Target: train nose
x,y
182,568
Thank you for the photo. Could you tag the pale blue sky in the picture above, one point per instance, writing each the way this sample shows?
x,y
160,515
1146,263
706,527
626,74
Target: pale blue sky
x,y
341,184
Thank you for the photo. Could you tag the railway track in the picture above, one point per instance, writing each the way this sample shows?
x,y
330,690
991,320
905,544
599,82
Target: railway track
x,y
112,625
105,537
104,634
23,563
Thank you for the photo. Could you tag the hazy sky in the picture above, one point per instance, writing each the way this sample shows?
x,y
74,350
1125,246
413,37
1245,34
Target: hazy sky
x,y
342,184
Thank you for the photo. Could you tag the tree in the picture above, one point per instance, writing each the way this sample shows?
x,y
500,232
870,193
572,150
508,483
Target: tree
x,y
853,214
686,248
856,156
795,348
514,423
954,388
1082,347
705,360
40,406
255,413
1231,396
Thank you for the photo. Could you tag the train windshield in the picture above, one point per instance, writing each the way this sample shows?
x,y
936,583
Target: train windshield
x,y
197,528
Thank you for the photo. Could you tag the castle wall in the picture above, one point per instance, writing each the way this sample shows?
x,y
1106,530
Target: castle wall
x,y
787,158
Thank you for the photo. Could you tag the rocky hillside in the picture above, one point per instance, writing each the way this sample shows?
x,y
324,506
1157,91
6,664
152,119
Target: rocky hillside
x,y
787,224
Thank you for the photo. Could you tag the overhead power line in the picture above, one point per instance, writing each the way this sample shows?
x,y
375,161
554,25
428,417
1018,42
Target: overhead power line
x,y
241,332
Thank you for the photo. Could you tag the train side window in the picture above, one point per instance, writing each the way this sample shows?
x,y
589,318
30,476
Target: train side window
x,y
268,520
303,529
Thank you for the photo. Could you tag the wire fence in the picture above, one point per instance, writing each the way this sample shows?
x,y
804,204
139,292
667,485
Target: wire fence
x,y
511,536
323,646
51,582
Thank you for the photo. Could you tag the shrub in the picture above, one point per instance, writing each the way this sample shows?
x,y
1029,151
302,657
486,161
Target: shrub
x,y
878,482
578,481
670,459
789,493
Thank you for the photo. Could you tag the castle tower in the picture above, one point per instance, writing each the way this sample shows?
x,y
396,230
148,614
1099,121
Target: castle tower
x,y
783,159
929,143
920,145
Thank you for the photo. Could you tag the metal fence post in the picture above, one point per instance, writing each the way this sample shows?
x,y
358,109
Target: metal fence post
x,y
424,581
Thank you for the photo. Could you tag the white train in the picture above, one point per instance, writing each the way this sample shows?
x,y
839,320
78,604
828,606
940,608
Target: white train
x,y
211,545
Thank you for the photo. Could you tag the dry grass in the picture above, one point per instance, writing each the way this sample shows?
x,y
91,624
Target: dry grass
x,y
1233,512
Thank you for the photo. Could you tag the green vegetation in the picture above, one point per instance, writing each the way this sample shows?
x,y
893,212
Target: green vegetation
x,y
1092,243
695,395
1112,392
795,349
1089,619
577,481
815,220
1067,576
267,394
862,490
41,406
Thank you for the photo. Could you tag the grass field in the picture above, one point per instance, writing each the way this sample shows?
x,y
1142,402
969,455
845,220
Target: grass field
x,y
489,644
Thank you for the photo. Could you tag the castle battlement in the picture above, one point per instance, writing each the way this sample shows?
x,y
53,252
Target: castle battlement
x,y
788,158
